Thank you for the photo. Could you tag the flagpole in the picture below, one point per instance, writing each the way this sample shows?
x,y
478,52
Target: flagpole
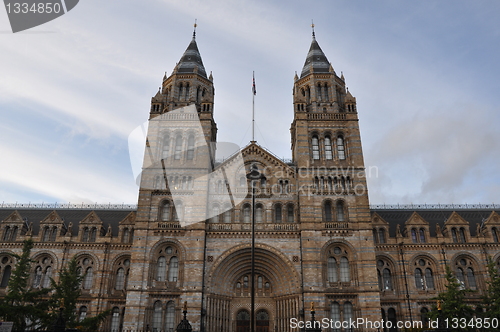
x,y
253,106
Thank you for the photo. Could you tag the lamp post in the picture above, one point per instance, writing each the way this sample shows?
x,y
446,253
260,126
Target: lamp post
x,y
254,175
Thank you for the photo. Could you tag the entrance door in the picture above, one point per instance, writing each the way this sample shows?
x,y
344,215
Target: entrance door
x,y
243,321
262,321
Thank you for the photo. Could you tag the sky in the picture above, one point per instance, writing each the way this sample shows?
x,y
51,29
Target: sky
x,y
425,75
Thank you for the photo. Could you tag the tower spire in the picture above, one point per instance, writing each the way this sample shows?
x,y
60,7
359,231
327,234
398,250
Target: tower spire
x,y
194,30
312,27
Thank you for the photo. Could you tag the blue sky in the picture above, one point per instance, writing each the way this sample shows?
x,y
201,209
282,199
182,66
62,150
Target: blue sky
x,y
425,75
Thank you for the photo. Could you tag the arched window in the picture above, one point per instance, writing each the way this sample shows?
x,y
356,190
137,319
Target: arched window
x,y
227,215
120,279
494,232
258,213
14,233
344,270
161,268
93,234
460,276
414,235
391,316
165,211
246,213
375,236
46,234
454,235
277,213
463,238
243,181
173,269
178,147
291,214
178,211
471,279
37,277
381,235
348,312
85,236
419,281
424,318
259,282
53,234
170,317
157,313
340,147
190,151
46,277
115,319
5,272
328,211
315,147
340,211
429,279
166,147
422,235
126,235
332,270
328,148
215,214
335,315
385,276
87,280
6,233
82,314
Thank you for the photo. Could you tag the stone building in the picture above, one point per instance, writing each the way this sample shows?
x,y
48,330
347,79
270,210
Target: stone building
x,y
317,238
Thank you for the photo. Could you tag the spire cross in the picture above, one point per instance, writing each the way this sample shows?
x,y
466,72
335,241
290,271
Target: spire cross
x,y
194,31
312,26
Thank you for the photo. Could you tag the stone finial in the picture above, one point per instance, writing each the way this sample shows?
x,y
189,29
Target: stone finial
x,y
398,231
439,233
478,230
109,233
30,230
70,229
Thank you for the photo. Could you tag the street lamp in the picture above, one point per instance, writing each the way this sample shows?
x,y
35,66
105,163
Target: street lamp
x,y
254,175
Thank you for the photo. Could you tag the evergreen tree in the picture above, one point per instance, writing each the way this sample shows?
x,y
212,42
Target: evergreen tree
x,y
453,304
66,294
491,298
22,305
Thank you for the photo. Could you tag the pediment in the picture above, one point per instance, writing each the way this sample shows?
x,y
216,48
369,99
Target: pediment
x,y
129,219
493,219
91,219
456,219
14,218
378,220
416,219
52,219
254,152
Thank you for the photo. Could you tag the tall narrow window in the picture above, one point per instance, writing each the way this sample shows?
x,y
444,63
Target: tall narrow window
x,y
277,213
422,235
14,233
161,268
494,232
87,280
115,319
335,316
259,282
414,235
387,279
258,213
166,147
341,147
460,276
227,216
5,276
215,214
429,279
157,316
348,316
85,237
315,147
46,277
471,279
173,269
170,317
82,314
340,211
418,279
246,213
46,234
332,270
454,235
37,277
290,217
126,235
463,239
328,148
190,151
178,147
328,211
120,279
344,270
6,234
381,235
93,234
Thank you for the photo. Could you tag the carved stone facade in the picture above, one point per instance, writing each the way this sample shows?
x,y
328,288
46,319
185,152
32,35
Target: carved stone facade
x,y
317,240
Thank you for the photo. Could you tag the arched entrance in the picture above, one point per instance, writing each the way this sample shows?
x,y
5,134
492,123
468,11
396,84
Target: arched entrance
x,y
262,321
243,321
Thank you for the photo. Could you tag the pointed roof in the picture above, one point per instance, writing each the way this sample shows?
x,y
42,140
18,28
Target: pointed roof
x,y
316,60
191,60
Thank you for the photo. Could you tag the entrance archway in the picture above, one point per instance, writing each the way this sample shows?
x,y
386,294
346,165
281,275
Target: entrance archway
x,y
262,321
243,321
